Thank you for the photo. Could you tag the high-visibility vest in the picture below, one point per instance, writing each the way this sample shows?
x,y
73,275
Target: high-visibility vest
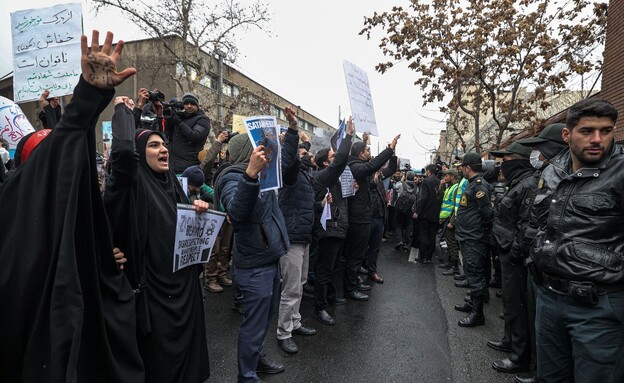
x,y
448,203
462,186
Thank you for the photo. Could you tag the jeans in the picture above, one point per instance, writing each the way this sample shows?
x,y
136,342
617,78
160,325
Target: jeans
x,y
260,287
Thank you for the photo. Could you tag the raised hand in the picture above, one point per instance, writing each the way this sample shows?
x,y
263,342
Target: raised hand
x,y
291,116
393,144
99,66
350,126
256,162
43,99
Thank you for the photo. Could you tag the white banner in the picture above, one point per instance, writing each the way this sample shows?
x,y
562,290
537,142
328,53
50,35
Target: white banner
x,y
46,51
195,236
326,215
347,182
360,98
13,123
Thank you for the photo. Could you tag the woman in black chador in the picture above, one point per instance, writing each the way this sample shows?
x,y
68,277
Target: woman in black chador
x,y
140,197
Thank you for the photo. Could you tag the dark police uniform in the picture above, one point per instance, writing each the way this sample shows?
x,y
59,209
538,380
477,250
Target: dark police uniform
x,y
578,252
507,233
474,217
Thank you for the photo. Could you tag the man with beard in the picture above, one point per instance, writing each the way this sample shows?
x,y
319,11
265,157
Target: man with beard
x,y
512,207
189,131
578,252
363,167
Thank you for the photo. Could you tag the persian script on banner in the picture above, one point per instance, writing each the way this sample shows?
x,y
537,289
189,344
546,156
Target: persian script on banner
x,y
347,181
263,130
360,98
46,51
195,236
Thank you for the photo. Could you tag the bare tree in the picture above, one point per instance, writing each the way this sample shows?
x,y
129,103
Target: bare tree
x,y
510,54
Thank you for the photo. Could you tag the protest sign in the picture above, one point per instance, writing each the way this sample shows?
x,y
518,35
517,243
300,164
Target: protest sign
x,y
360,98
263,130
107,136
326,215
184,183
46,51
13,123
238,126
195,236
347,181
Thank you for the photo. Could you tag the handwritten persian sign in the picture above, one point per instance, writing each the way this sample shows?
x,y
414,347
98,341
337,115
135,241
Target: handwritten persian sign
x,y
195,236
360,98
13,123
46,51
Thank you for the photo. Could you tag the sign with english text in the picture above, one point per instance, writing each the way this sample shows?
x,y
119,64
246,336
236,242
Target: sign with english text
x,y
46,51
360,98
263,130
13,123
195,236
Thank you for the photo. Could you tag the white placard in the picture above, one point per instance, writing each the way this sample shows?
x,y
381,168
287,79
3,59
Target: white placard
x,y
184,183
195,236
326,215
347,181
46,51
360,98
13,123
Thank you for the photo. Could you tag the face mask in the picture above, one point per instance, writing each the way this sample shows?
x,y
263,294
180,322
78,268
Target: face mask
x,y
535,159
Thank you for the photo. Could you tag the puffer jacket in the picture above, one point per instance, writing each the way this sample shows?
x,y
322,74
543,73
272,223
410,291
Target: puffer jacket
x,y
581,237
360,206
260,236
296,198
329,178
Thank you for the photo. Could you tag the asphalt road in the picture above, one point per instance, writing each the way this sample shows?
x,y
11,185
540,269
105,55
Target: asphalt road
x,y
406,332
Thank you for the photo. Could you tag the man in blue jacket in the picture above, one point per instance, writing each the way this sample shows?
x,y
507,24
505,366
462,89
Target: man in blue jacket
x,y
260,240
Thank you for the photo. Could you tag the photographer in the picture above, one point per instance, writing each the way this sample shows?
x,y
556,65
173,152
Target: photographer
x,y
189,129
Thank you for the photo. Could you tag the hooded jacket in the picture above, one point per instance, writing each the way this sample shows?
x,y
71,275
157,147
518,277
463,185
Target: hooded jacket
x,y
580,233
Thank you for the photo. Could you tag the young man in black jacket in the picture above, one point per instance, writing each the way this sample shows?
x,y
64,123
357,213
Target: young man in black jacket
x,y
361,212
328,189
428,214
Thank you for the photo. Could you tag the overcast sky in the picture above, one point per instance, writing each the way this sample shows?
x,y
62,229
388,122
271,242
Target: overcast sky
x,y
307,42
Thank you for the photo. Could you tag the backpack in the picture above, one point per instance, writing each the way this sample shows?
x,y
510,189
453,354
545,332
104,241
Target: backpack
x,y
405,202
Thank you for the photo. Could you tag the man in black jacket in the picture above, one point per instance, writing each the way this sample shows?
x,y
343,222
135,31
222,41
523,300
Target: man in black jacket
x,y
189,131
328,189
511,212
578,252
428,214
361,212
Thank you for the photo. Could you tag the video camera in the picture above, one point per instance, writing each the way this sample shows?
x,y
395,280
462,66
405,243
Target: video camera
x,y
169,108
230,135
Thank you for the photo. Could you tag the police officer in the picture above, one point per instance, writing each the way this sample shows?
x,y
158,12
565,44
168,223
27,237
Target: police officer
x,y
519,183
474,218
578,252
545,147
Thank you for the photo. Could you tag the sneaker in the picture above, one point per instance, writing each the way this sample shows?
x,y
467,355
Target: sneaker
x,y
225,281
213,287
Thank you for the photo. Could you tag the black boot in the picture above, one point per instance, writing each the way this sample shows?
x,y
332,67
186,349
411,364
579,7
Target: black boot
x,y
452,271
476,317
466,307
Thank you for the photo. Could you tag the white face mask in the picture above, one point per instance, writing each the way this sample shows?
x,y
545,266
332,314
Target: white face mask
x,y
535,159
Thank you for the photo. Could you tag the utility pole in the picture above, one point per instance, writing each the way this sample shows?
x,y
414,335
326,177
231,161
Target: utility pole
x,y
220,88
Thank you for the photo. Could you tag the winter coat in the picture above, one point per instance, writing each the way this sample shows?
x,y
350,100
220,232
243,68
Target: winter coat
x,y
187,138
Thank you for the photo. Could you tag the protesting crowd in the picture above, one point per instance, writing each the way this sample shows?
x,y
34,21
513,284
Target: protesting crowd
x,y
87,262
